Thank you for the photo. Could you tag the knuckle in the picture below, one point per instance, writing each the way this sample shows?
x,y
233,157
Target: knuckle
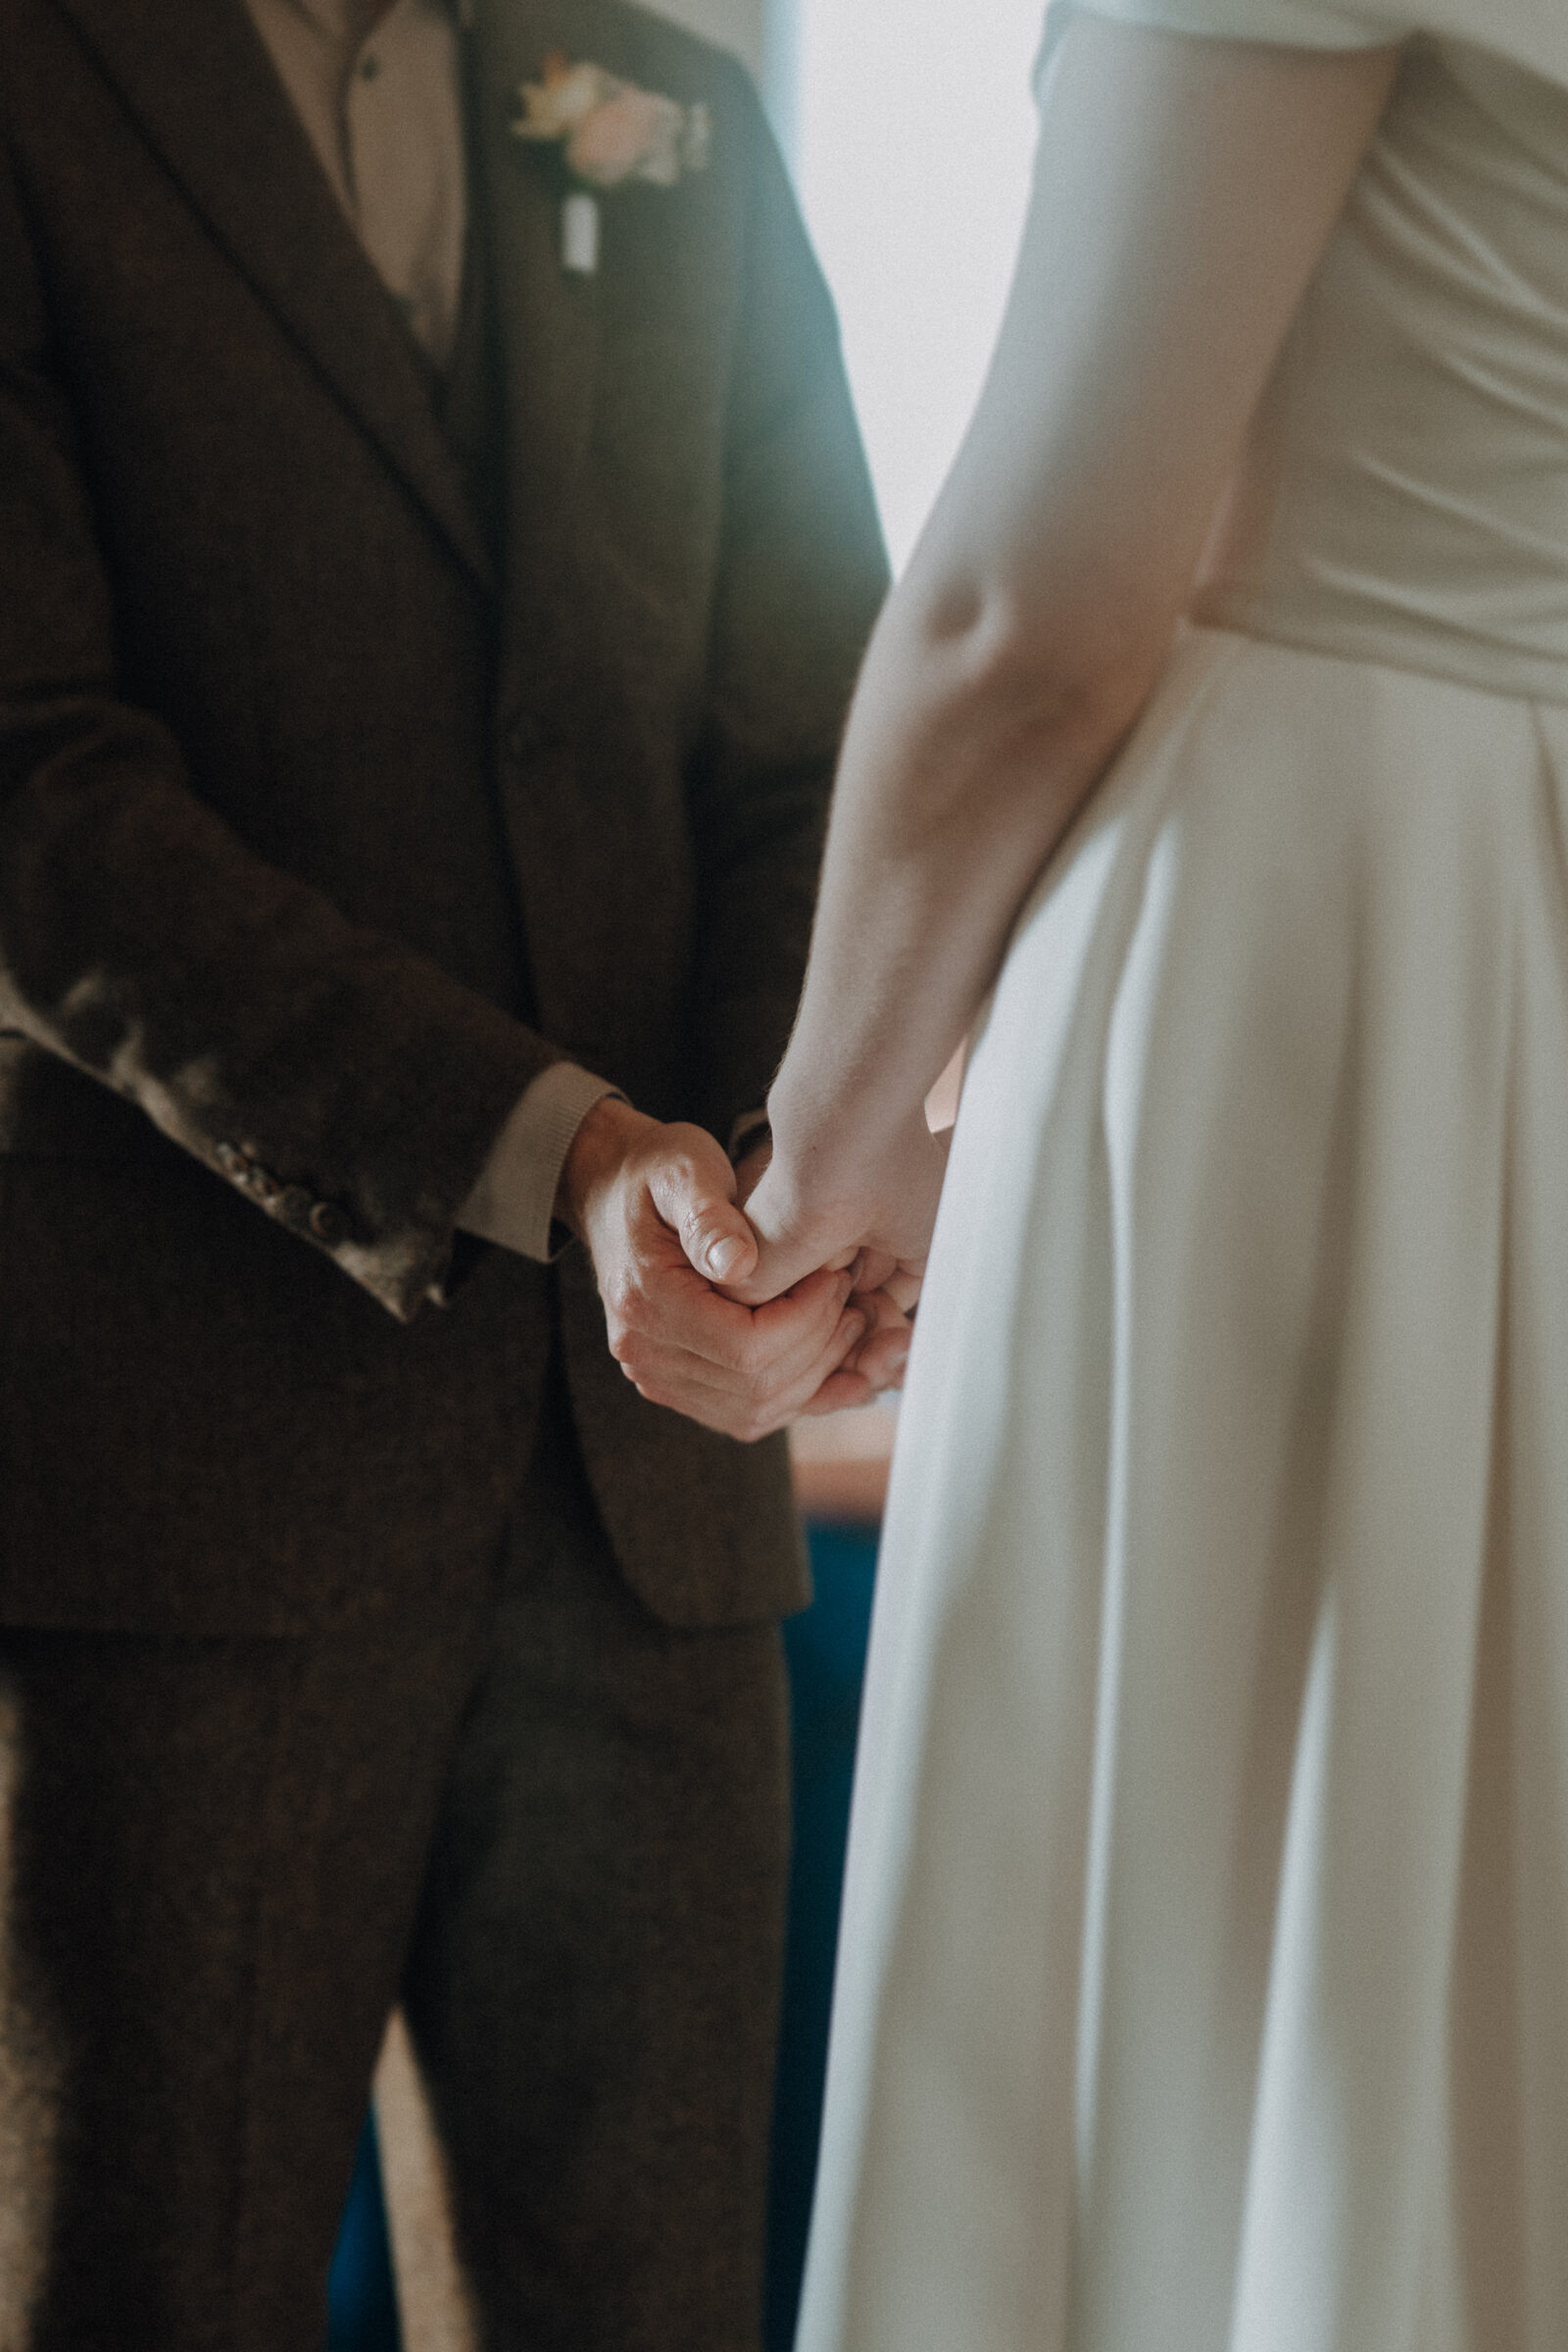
x,y
762,1412
696,1237
736,1414
696,1224
710,1412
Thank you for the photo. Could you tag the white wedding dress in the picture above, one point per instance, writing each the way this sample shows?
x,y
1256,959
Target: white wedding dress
x,y
1203,1975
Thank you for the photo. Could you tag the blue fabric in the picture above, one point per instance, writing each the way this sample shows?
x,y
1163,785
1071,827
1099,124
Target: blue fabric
x,y
362,2304
827,1651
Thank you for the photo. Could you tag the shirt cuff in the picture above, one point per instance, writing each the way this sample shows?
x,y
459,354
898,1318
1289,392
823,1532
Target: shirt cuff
x,y
513,1200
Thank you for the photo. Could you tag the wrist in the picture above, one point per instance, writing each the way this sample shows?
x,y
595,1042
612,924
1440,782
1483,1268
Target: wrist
x,y
594,1158
826,1150
794,1124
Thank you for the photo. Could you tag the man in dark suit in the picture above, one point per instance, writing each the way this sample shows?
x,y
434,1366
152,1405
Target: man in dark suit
x,y
420,666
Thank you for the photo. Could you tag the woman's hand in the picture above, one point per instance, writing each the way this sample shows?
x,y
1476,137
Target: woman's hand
x,y
1033,619
874,1217
656,1206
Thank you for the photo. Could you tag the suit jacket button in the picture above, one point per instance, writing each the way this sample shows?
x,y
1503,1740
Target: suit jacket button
x,y
525,736
293,1206
328,1224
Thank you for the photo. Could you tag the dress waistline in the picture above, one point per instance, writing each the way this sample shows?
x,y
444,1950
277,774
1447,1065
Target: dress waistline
x,y
1490,666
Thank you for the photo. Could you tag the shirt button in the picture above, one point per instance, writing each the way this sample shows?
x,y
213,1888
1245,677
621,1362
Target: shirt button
x,y
328,1224
369,68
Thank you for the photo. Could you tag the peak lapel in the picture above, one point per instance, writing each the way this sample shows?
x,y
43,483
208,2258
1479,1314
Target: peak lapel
x,y
198,80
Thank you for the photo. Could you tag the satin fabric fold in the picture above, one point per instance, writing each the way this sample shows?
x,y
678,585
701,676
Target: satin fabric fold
x,y
1207,1906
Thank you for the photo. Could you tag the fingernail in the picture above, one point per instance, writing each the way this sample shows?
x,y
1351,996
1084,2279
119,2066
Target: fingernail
x,y
725,1256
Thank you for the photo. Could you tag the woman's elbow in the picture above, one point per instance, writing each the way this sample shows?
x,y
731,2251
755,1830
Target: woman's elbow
x,y
1039,680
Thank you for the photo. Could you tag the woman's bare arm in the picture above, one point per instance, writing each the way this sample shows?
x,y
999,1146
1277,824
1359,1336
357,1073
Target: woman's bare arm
x,y
1184,191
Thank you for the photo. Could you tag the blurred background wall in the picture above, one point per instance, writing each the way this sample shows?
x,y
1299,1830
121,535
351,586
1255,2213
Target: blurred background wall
x,y
909,127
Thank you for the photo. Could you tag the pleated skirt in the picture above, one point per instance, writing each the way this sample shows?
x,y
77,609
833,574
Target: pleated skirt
x,y
1203,1970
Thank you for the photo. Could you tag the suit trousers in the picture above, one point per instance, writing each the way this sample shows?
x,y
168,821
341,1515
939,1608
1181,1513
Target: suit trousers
x,y
556,1826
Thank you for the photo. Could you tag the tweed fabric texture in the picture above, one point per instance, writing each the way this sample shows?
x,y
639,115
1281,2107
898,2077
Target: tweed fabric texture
x,y
593,1984
214,1853
332,810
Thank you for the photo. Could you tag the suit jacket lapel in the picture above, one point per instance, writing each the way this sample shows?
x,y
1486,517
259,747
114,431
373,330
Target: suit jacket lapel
x,y
548,319
200,83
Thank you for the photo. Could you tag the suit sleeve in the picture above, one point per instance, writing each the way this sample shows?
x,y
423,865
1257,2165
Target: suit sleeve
x,y
349,1086
802,575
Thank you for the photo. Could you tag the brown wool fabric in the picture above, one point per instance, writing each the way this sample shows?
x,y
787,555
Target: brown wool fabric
x,y
216,1850
394,802
367,744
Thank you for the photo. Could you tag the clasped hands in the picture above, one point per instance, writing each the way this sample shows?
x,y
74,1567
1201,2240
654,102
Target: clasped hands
x,y
733,1295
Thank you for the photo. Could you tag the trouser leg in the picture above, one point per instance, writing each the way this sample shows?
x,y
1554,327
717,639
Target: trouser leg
x,y
211,1851
593,1981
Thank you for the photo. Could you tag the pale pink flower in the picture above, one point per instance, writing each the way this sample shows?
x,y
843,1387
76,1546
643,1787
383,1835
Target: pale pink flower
x,y
632,135
610,130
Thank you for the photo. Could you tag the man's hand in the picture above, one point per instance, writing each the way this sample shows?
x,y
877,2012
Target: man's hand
x,y
656,1206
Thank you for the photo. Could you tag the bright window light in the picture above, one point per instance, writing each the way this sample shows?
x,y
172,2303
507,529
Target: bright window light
x,y
912,131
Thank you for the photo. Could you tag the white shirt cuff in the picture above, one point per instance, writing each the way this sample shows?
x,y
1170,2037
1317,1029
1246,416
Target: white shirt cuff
x,y
513,1200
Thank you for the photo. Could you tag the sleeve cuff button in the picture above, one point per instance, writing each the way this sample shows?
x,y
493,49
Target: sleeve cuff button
x,y
328,1224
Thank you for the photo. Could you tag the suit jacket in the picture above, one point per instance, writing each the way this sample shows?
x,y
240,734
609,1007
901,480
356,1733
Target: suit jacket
x,y
332,810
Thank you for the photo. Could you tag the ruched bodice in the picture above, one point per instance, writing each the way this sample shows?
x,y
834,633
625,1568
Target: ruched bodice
x,y
1405,494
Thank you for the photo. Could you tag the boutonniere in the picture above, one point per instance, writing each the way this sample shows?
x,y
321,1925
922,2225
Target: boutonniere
x,y
609,133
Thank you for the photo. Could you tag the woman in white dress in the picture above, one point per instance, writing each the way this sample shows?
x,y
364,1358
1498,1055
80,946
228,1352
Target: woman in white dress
x,y
1203,1982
